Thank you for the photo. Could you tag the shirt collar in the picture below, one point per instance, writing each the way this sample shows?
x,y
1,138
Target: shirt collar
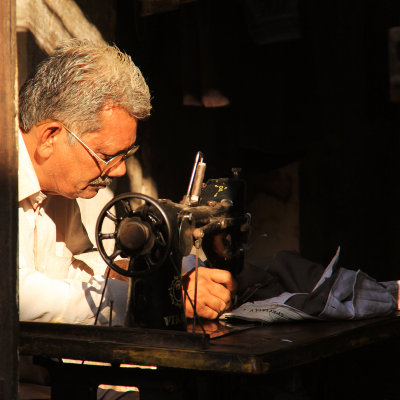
x,y
28,184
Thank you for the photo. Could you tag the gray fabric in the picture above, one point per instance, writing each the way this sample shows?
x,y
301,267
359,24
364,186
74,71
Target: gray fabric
x,y
355,295
314,292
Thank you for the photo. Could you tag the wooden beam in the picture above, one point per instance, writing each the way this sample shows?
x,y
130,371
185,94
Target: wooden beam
x,y
8,204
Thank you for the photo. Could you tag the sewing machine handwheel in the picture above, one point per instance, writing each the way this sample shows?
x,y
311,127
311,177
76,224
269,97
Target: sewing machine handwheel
x,y
152,217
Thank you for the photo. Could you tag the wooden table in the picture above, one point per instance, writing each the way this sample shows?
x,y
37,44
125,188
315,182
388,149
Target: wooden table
x,y
203,364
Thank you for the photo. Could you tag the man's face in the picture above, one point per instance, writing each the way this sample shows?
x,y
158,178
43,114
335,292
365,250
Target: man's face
x,y
73,172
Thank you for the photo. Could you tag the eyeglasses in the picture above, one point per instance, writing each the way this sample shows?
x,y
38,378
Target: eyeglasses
x,y
105,165
112,161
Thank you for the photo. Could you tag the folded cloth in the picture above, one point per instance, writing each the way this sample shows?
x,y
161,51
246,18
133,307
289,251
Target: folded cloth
x,y
295,288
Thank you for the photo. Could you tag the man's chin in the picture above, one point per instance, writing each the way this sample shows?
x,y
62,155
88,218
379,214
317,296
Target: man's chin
x,y
90,191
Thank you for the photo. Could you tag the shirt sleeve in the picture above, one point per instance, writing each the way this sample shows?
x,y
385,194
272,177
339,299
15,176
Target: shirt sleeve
x,y
189,264
44,299
50,288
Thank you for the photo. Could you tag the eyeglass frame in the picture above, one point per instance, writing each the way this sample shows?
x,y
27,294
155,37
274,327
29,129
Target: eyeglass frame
x,y
119,157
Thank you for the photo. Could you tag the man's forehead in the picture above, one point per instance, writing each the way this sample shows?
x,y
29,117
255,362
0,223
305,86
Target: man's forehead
x,y
118,128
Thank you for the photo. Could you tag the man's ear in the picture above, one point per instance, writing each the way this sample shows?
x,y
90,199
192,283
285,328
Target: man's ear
x,y
47,134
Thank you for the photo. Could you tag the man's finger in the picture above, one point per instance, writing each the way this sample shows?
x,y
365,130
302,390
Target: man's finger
x,y
220,291
223,277
216,305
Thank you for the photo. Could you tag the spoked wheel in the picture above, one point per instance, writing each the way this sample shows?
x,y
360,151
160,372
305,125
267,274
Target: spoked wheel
x,y
143,235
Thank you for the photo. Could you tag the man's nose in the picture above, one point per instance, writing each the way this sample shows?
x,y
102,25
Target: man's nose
x,y
117,171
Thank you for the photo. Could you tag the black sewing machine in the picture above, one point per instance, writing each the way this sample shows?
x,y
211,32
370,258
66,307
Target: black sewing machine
x,y
154,236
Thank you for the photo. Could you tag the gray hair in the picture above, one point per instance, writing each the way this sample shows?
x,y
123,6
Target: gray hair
x,y
77,81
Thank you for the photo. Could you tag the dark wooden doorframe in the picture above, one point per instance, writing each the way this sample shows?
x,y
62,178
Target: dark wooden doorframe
x,y
8,204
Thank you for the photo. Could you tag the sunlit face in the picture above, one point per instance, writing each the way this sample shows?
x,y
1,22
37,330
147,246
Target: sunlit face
x,y
74,172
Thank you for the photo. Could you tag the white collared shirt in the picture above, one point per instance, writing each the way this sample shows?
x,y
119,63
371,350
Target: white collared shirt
x,y
60,280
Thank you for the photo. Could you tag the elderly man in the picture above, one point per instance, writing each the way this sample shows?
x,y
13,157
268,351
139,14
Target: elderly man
x,y
78,118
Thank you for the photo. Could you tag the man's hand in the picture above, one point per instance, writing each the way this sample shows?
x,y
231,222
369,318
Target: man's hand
x,y
214,292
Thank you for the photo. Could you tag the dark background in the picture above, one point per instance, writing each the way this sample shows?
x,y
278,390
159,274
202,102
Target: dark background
x,y
308,81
